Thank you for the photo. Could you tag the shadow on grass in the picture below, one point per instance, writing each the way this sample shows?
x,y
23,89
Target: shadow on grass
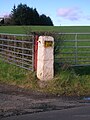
x,y
83,70
79,70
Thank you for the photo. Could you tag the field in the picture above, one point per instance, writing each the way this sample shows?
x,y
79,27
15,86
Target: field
x,y
24,29
67,81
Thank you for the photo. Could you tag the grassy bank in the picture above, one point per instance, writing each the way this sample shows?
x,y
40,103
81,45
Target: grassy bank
x,y
67,81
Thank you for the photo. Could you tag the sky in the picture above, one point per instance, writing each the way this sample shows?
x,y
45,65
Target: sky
x,y
61,12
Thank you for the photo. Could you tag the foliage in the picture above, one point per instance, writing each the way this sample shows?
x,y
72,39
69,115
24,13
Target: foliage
x,y
24,15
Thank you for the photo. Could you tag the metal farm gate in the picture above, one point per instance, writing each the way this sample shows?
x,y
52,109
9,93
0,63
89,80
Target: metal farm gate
x,y
73,49
17,49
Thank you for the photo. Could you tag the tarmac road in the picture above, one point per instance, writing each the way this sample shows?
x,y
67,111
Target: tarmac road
x,y
79,113
20,104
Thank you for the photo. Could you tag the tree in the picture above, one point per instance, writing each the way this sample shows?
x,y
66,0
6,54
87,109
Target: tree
x,y
36,17
24,15
45,20
13,15
49,21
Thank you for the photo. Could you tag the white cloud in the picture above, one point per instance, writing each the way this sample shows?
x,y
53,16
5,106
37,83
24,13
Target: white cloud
x,y
4,14
88,17
70,13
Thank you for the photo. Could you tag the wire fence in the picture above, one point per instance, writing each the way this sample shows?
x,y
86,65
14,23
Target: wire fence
x,y
17,49
73,49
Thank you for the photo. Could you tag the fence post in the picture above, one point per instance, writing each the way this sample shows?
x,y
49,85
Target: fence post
x,y
45,58
76,50
35,51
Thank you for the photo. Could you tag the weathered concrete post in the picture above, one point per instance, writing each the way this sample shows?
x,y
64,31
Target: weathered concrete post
x,y
45,58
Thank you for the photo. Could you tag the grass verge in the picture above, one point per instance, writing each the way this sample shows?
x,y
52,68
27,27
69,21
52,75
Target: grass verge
x,y
67,81
70,81
13,75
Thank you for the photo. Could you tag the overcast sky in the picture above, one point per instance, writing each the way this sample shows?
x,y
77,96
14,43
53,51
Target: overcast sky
x,y
62,12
